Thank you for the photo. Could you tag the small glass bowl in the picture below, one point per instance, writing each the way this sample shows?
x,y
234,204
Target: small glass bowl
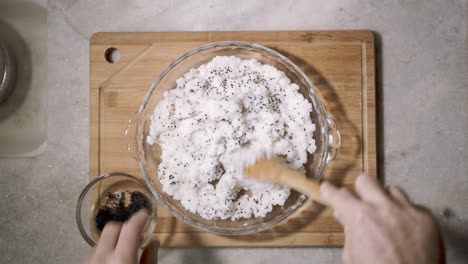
x,y
95,195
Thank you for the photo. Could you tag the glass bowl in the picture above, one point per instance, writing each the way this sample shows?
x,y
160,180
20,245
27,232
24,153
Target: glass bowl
x,y
96,194
327,137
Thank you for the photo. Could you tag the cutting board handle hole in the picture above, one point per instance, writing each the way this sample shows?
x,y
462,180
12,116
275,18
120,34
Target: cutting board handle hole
x,y
112,55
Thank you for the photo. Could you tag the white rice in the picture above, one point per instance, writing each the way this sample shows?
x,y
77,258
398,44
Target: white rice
x,y
222,116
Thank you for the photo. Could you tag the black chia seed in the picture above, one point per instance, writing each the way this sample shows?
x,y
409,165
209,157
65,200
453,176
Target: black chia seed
x,y
114,208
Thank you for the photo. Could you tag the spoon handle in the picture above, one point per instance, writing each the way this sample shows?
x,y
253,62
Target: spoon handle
x,y
304,185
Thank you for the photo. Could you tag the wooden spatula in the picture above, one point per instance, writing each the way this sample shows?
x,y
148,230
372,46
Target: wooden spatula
x,y
276,170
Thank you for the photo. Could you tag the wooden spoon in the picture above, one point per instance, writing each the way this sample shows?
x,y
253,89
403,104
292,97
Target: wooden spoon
x,y
276,170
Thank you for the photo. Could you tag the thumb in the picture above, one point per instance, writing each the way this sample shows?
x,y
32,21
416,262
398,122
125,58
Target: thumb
x,y
150,253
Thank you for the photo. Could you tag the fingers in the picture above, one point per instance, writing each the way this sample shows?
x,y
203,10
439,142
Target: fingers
x,y
109,237
369,190
343,202
346,257
130,236
89,257
398,195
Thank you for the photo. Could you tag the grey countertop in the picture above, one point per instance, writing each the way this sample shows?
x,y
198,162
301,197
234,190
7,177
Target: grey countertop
x,y
423,95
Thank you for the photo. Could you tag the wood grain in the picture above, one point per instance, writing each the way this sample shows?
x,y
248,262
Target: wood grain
x,y
339,63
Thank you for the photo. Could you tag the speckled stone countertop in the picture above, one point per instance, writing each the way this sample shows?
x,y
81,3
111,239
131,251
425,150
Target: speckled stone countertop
x,y
423,95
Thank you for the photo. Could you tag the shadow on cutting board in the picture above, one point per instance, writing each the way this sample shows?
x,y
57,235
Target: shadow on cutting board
x,y
311,210
335,108
380,133
189,255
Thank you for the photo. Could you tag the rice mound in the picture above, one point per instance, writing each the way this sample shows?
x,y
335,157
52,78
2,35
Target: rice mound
x,y
220,117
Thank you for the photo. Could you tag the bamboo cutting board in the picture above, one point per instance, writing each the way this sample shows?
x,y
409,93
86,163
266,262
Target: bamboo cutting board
x,y
339,63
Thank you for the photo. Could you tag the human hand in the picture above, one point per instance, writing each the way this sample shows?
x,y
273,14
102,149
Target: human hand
x,y
119,243
382,225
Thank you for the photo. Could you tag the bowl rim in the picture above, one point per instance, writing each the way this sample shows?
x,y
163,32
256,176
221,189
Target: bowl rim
x,y
100,178
325,159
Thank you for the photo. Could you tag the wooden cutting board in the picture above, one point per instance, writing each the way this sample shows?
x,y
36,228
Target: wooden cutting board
x,y
339,63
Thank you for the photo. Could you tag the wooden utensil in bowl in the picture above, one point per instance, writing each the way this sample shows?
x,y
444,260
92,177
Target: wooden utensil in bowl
x,y
276,170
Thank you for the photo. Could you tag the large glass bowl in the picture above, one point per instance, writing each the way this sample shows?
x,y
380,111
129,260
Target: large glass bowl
x,y
326,136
